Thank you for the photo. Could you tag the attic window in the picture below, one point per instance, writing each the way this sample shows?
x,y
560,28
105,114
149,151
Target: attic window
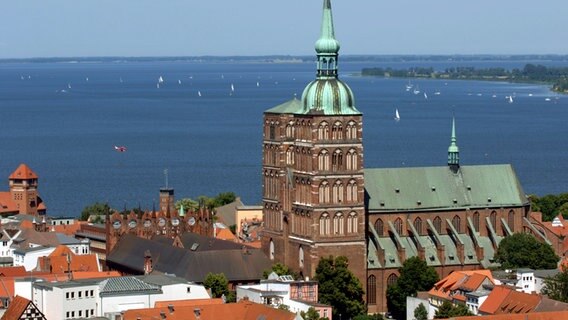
x,y
451,256
432,258
382,204
455,201
470,255
391,259
418,202
488,199
194,246
468,188
397,190
433,188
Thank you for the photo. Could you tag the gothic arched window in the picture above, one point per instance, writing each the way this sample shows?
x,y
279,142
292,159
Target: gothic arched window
x,y
351,130
456,222
337,131
271,249
352,160
379,227
391,279
511,220
324,224
476,221
337,160
352,223
323,191
493,219
323,160
398,226
337,192
438,224
372,289
338,223
323,131
352,191
418,225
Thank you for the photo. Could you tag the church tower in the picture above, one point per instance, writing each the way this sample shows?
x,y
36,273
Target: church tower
x,y
313,186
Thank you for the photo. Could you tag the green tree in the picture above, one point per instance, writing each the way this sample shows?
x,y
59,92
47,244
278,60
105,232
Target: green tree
x,y
556,287
224,198
311,314
284,307
448,310
415,275
281,270
218,284
420,313
96,209
188,204
339,288
521,250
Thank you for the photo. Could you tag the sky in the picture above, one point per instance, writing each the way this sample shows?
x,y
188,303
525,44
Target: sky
x,y
72,28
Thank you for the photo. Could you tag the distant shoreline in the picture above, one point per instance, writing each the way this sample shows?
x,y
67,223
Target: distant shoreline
x,y
556,77
295,58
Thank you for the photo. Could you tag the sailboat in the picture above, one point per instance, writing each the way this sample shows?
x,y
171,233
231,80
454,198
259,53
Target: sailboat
x,y
160,79
179,81
232,88
510,99
199,93
396,115
425,96
416,90
409,86
257,84
68,86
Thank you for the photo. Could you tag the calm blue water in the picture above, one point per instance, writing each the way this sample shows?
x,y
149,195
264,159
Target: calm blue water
x,y
212,143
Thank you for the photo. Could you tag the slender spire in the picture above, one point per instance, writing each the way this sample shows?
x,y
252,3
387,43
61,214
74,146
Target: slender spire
x,y
453,150
327,47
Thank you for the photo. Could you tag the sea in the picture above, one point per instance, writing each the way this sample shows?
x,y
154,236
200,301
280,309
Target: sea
x,y
199,130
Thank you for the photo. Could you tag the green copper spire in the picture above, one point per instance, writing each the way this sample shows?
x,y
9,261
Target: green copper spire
x,y
453,150
181,211
327,47
327,94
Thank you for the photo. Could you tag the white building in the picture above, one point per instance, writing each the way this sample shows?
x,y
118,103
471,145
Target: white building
x,y
27,257
540,276
298,296
475,299
105,297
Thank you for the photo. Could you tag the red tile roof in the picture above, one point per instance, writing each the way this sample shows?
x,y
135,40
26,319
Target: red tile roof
x,y
506,300
12,271
556,315
244,310
188,303
23,172
17,308
465,280
7,205
57,262
494,300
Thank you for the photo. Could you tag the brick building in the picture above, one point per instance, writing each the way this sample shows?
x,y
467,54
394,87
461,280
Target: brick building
x,y
23,196
318,200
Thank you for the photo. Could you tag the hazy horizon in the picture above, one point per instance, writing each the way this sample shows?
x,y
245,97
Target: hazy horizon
x,y
144,28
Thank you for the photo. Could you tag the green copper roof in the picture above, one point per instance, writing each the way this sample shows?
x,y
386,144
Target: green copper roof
x,y
330,97
327,42
181,211
432,188
453,150
293,106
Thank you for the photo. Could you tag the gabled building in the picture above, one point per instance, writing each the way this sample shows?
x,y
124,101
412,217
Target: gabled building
x,y
23,196
22,309
244,310
87,298
190,257
279,291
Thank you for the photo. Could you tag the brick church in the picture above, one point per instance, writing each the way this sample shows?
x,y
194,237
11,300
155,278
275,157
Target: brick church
x,y
319,200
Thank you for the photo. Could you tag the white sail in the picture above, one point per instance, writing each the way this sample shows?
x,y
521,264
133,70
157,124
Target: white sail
x,y
160,79
396,115
258,84
425,96
199,93
232,88
510,99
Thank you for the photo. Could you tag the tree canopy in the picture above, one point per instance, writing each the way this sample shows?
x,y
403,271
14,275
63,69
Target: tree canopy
x,y
98,210
219,200
339,288
448,310
550,205
556,287
281,270
217,283
420,313
415,275
522,250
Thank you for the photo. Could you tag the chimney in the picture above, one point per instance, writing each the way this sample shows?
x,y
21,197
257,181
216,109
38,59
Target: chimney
x,y
171,308
197,312
162,315
147,262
